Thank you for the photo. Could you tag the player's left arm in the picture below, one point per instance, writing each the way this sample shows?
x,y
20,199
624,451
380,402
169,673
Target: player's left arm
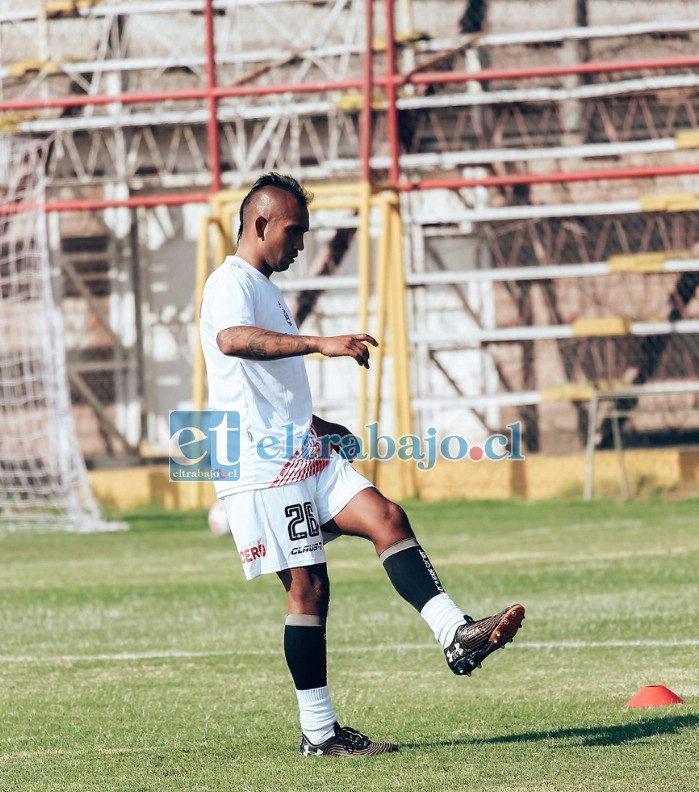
x,y
337,434
327,428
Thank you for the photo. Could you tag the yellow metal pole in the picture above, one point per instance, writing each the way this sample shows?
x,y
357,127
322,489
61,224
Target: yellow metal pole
x,y
399,344
201,274
380,290
401,324
337,202
364,288
350,190
220,241
226,197
226,215
406,16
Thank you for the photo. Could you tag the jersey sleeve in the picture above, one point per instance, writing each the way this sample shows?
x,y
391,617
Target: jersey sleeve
x,y
231,303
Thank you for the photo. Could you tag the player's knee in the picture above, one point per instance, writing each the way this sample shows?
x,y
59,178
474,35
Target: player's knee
x,y
319,589
310,590
396,519
391,525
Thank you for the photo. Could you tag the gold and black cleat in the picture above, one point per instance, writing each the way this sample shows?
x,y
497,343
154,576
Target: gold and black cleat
x,y
346,742
475,640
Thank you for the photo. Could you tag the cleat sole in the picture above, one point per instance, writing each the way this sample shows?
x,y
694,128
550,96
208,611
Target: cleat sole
x,y
506,630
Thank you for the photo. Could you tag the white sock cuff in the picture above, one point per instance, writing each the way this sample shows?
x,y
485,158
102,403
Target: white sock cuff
x,y
443,616
316,713
313,695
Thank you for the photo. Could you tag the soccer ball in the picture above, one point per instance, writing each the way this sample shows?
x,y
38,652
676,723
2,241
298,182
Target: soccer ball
x,y
218,521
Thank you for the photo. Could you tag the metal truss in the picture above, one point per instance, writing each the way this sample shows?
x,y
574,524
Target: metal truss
x,y
171,152
539,276
168,147
141,112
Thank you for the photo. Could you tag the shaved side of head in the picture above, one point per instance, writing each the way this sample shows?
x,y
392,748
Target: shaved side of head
x,y
269,185
269,203
273,220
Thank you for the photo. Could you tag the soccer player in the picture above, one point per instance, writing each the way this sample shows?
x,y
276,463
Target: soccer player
x,y
288,501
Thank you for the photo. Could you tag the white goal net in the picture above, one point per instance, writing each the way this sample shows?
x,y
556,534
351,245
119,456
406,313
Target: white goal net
x,y
43,481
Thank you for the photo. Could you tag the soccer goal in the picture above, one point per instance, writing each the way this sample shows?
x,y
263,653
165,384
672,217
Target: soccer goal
x,y
43,481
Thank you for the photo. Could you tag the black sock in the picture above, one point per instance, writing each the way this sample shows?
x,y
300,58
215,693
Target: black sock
x,y
305,650
410,571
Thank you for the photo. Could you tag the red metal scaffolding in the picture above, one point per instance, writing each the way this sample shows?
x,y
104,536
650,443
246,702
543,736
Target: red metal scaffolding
x,y
389,83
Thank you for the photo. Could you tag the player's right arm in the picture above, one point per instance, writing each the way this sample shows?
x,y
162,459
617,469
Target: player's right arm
x,y
255,343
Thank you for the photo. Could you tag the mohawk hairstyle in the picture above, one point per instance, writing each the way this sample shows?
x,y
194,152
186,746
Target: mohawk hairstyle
x,y
282,182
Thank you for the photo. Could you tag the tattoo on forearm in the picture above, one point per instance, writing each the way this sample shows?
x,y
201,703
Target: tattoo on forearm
x,y
266,345
257,344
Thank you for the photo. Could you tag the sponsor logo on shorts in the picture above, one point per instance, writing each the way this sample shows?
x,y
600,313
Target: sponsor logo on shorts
x,y
307,549
252,553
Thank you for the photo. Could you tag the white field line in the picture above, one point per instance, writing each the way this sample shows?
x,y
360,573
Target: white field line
x,y
72,752
170,654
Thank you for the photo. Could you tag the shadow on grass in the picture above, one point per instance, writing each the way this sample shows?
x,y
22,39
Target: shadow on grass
x,y
616,734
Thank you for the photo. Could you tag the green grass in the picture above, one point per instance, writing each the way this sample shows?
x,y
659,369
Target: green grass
x,y
143,661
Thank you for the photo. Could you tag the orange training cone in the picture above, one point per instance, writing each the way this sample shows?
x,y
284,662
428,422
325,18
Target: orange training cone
x,y
654,696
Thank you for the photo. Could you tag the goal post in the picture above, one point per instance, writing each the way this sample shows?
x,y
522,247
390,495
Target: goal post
x,y
43,479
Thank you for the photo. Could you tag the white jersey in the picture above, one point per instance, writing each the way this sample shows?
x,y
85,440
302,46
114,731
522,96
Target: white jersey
x,y
278,444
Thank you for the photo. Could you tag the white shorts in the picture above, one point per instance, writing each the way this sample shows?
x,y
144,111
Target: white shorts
x,y
280,527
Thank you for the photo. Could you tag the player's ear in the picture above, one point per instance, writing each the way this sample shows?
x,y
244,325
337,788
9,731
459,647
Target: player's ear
x,y
260,226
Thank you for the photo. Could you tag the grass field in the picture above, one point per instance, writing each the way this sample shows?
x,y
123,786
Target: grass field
x,y
143,661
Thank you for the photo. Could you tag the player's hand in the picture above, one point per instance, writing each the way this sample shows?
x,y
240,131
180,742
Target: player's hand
x,y
354,346
337,432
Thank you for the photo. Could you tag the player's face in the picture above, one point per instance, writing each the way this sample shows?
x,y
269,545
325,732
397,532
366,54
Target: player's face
x,y
284,236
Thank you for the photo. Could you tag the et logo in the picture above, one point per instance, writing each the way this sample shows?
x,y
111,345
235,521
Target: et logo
x,y
204,445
